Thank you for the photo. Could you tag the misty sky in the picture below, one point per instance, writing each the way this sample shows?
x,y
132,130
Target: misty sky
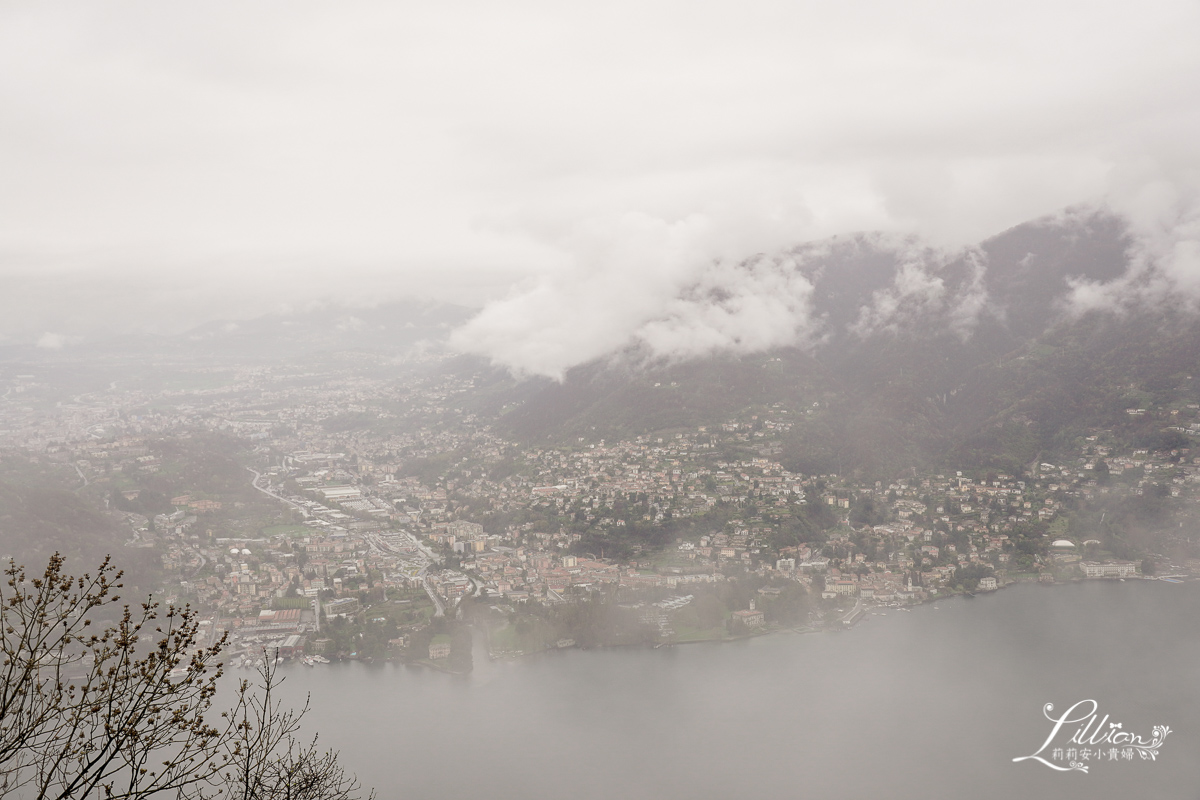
x,y
574,165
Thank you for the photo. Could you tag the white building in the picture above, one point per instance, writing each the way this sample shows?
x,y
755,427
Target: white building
x,y
1118,569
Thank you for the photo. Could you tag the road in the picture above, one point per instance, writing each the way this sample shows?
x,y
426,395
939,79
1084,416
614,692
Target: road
x,y
378,543
375,542
269,493
212,626
432,556
854,613
437,601
197,570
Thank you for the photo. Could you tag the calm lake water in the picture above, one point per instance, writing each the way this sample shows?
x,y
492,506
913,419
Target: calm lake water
x,y
933,703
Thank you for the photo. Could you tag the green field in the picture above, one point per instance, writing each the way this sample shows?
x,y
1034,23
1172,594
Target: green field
x,y
684,633
286,530
508,639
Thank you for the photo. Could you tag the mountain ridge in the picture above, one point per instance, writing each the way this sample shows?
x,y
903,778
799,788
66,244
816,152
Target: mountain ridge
x,y
916,391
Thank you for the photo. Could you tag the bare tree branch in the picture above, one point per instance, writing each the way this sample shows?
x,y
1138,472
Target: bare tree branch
x,y
135,722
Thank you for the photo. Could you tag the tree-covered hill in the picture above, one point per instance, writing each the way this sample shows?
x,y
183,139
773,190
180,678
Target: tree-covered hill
x,y
1021,376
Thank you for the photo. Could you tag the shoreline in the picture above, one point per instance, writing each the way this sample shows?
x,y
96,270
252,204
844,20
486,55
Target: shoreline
x,y
793,630
802,630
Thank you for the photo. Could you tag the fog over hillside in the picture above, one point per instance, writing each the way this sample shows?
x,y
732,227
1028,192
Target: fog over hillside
x,y
919,353
855,288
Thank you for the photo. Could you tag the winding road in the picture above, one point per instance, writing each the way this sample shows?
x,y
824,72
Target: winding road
x,y
269,493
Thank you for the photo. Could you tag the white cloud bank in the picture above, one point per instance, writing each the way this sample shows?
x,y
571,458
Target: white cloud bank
x,y
56,341
1164,262
179,163
639,281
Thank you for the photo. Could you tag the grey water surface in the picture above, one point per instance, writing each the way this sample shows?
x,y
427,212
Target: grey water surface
x,y
932,703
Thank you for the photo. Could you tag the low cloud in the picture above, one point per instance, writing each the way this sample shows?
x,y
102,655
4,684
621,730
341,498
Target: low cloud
x,y
56,341
640,281
1163,213
739,308
925,293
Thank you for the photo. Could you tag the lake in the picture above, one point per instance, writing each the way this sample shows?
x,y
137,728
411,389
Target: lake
x,y
932,703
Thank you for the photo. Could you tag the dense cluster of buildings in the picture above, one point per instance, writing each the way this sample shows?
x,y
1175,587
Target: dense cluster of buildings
x,y
378,485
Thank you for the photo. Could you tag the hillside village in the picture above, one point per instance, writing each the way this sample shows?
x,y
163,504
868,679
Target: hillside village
x,y
344,514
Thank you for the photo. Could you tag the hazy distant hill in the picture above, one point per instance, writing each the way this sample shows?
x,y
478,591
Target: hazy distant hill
x,y
616,399
40,514
394,327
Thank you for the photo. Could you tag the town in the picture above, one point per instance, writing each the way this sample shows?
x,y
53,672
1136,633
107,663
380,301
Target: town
x,y
341,512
